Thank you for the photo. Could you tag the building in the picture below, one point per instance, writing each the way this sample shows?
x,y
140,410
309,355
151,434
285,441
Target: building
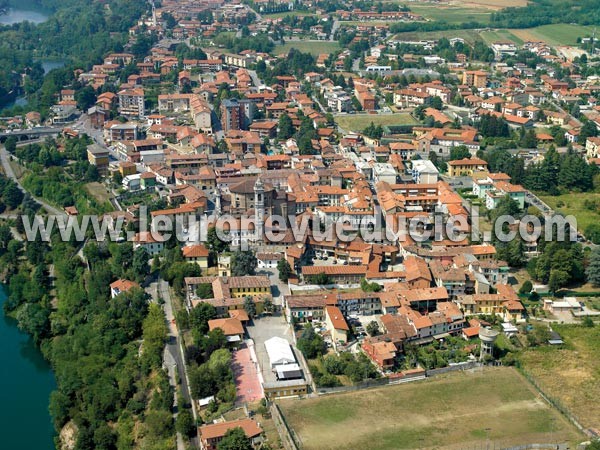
x,y
197,254
279,351
98,156
477,78
466,167
336,325
424,172
131,103
288,388
236,114
147,241
120,286
210,435
232,328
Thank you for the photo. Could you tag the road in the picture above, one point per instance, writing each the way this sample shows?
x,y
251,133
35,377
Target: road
x,y
5,159
173,349
334,27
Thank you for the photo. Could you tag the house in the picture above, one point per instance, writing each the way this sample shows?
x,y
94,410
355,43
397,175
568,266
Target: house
x,y
197,254
268,260
232,328
146,240
304,307
120,286
466,166
210,435
98,156
383,353
336,325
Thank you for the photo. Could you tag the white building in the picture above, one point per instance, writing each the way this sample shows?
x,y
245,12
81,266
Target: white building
x,y
424,172
279,351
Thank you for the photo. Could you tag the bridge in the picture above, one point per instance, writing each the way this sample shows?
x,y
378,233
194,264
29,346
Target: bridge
x,y
33,133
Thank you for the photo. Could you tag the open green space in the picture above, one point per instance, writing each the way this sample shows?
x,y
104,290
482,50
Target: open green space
x,y
457,410
313,47
500,36
570,374
470,36
580,205
452,14
555,34
358,122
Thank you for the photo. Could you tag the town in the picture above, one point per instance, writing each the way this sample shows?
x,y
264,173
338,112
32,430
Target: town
x,y
279,135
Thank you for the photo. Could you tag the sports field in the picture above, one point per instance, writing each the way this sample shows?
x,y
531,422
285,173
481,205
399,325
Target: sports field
x,y
570,374
358,122
457,410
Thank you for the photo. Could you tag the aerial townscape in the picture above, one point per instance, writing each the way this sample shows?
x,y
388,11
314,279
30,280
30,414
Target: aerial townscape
x,y
268,224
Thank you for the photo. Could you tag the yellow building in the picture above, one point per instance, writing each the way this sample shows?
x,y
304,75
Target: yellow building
x,y
477,78
466,167
196,254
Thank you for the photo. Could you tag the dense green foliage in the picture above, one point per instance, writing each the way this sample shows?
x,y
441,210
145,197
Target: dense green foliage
x,y
310,343
542,12
79,30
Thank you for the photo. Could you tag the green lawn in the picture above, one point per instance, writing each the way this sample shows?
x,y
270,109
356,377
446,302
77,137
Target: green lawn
x,y
358,122
314,47
500,35
570,375
573,204
452,14
456,410
287,13
556,34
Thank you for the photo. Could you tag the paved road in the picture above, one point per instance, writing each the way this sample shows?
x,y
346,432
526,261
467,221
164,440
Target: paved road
x,y
5,159
160,290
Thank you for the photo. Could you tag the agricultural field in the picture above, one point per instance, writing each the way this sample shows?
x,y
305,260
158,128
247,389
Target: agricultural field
x,y
358,122
570,374
556,34
494,4
575,204
500,35
313,47
470,36
98,191
451,14
456,410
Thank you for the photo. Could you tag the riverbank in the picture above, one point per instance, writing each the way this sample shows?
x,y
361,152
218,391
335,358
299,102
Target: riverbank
x,y
27,381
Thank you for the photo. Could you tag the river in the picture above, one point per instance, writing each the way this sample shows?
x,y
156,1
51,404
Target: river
x,y
26,381
27,12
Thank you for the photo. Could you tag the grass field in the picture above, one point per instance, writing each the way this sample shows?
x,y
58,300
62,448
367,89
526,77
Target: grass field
x,y
469,36
98,191
557,34
452,411
287,13
494,4
573,204
314,47
500,35
451,14
358,122
571,374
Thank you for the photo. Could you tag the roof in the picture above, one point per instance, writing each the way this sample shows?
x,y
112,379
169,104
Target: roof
x,y
336,317
195,251
279,351
217,430
123,285
230,326
468,162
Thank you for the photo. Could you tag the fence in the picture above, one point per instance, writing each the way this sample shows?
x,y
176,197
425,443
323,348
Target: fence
x,y
368,384
288,439
552,401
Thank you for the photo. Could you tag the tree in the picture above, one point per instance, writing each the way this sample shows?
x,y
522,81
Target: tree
x,y
154,334
558,279
11,144
310,343
588,322
205,291
243,263
213,243
12,195
140,263
285,128
284,269
593,269
200,315
373,328
185,423
235,439
526,287
250,307
459,152
437,103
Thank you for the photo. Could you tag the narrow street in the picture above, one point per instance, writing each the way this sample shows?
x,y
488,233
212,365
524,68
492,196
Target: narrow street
x,y
174,358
